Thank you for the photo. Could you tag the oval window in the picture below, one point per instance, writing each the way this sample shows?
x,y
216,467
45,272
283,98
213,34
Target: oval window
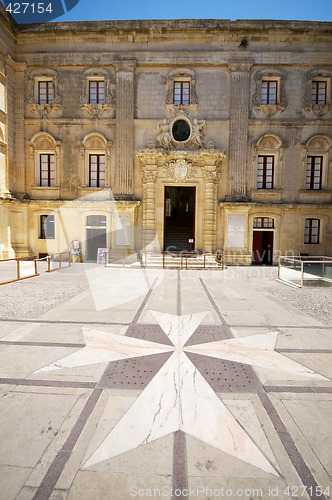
x,y
181,130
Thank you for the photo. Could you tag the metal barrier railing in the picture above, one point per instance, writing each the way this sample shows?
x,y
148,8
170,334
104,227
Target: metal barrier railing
x,y
120,259
165,260
51,260
27,267
184,260
24,267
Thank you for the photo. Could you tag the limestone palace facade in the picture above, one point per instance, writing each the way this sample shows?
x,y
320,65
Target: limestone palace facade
x,y
173,135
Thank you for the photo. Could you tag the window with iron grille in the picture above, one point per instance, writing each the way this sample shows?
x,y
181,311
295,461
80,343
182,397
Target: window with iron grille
x,y
311,231
47,227
269,92
318,92
96,92
45,92
47,169
97,170
181,93
263,223
314,172
265,172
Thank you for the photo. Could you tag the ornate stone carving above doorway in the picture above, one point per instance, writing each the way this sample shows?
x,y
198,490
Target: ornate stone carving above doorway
x,y
199,169
180,170
181,133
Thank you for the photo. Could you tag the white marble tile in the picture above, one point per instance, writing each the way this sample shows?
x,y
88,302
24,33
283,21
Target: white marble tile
x,y
205,417
179,398
247,350
154,414
105,346
179,328
245,414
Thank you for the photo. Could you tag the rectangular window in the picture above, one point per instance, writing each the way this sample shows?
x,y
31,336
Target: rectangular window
x,y
318,92
47,169
45,92
47,230
96,220
96,92
97,171
263,222
314,172
269,92
311,231
181,93
265,172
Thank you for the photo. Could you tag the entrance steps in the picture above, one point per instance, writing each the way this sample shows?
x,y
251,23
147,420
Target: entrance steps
x,y
178,232
164,260
179,261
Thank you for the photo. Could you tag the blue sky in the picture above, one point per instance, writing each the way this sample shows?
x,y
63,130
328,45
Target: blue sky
x,y
315,10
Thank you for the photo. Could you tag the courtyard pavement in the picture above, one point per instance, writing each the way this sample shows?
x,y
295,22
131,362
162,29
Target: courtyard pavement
x,y
165,384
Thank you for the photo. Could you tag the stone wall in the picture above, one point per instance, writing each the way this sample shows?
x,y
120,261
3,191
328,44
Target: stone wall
x,y
139,61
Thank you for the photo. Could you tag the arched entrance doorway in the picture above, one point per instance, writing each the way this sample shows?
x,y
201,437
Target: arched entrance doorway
x,y
179,220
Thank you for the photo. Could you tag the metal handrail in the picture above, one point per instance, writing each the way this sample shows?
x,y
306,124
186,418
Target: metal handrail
x,y
35,260
18,273
121,254
143,257
183,259
27,257
48,258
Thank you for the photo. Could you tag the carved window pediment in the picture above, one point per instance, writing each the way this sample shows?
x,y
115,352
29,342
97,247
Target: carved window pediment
x,y
268,143
268,153
97,76
51,78
318,106
269,99
316,155
181,89
318,143
95,148
44,148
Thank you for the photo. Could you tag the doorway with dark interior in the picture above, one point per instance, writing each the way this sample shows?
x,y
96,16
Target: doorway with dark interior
x,y
95,236
179,220
262,248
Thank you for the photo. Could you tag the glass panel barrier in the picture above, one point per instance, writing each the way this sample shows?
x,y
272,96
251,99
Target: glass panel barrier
x,y
290,270
307,271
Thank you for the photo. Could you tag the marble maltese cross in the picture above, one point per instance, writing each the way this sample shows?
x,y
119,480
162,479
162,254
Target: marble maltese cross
x,y
178,397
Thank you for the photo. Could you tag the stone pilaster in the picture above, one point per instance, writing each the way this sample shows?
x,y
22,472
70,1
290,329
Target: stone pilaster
x,y
16,157
149,206
238,135
124,129
211,178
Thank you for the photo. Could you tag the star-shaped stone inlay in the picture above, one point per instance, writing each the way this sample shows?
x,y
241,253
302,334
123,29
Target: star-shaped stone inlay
x,y
178,397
